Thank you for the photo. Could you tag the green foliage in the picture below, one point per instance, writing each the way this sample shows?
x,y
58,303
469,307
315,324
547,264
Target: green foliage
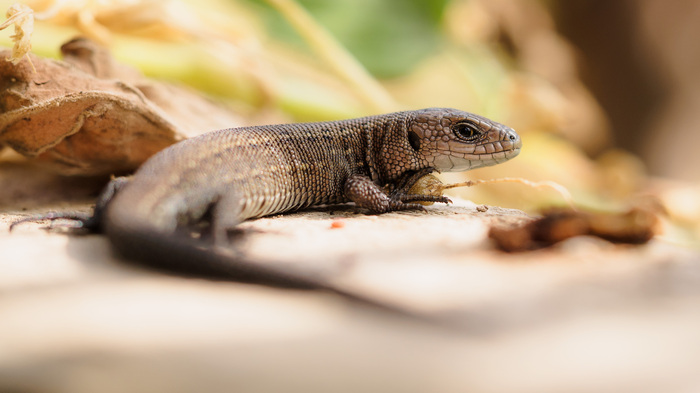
x,y
387,36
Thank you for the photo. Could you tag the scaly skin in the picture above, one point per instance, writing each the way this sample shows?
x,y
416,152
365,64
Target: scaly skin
x,y
236,174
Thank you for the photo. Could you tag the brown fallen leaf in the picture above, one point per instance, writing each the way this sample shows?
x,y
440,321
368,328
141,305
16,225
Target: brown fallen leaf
x,y
635,226
89,115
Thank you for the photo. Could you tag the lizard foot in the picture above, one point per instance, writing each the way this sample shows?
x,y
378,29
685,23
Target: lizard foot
x,y
78,220
361,190
401,191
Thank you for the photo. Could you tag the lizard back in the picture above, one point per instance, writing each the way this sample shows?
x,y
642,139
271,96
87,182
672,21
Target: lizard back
x,y
264,169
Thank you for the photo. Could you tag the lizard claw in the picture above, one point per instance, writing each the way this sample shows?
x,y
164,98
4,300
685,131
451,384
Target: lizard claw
x,y
399,205
80,220
422,198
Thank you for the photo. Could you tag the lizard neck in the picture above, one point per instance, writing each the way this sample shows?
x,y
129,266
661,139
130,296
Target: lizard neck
x,y
388,153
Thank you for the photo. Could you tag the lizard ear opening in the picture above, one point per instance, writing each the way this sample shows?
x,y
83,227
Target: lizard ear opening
x,y
414,140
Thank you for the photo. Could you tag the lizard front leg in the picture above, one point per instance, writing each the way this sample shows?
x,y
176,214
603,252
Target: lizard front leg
x,y
366,194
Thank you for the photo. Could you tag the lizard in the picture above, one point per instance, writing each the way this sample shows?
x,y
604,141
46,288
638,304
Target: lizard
x,y
228,176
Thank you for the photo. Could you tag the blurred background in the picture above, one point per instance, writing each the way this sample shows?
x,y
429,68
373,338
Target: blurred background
x,y
604,93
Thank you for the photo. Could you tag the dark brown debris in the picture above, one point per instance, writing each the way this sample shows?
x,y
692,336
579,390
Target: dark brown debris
x,y
635,226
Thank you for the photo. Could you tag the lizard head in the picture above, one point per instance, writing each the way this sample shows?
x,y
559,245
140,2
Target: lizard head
x,y
451,140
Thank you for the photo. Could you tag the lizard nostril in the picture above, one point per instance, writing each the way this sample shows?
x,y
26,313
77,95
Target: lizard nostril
x,y
511,137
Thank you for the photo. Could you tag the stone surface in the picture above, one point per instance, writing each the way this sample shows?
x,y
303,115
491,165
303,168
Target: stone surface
x,y
583,316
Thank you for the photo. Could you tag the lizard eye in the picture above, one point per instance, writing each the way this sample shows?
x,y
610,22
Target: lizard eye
x,y
414,140
466,130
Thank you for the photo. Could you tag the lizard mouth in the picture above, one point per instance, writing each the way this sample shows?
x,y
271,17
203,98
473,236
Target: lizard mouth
x,y
483,155
513,152
511,145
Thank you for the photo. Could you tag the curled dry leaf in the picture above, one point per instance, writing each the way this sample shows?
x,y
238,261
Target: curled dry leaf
x,y
427,185
636,226
90,115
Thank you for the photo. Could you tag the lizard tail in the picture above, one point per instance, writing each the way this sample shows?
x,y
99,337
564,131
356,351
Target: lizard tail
x,y
188,257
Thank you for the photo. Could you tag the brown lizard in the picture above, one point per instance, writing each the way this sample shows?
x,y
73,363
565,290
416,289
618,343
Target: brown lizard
x,y
228,176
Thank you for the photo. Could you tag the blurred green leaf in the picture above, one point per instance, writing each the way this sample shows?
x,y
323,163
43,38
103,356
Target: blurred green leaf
x,y
388,37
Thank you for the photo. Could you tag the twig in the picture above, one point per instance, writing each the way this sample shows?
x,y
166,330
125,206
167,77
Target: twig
x,y
566,195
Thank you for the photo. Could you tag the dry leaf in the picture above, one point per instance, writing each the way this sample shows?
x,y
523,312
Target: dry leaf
x,y
89,115
636,226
